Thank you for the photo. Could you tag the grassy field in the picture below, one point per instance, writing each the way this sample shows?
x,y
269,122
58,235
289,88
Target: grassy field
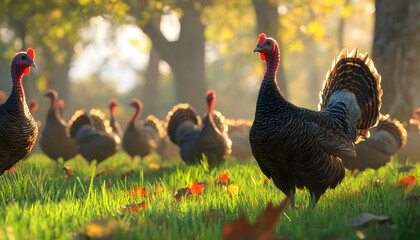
x,y
40,201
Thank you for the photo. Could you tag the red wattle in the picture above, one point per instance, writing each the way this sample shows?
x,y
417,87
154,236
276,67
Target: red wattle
x,y
262,56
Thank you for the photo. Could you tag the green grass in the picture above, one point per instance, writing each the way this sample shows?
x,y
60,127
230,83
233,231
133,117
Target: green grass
x,y
39,202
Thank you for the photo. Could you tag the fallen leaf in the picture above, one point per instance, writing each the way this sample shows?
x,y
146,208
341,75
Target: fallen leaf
x,y
197,188
265,181
182,192
127,174
154,166
105,172
357,192
157,189
135,207
223,177
405,168
410,180
354,172
233,188
11,170
365,219
69,172
102,228
261,229
138,192
412,197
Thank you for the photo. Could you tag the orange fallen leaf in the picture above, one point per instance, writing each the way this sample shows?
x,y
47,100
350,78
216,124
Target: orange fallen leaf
x,y
223,177
357,191
138,191
157,189
154,166
69,172
136,207
11,170
103,228
265,181
406,180
233,188
197,188
261,229
105,172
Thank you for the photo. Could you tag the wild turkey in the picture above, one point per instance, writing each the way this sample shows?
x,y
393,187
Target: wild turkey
x,y
93,134
167,149
184,130
411,149
144,140
60,109
377,150
298,147
416,113
18,129
114,122
239,134
55,142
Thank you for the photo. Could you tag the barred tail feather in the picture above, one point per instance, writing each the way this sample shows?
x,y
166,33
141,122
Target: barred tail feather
x,y
180,114
355,73
395,128
153,122
99,121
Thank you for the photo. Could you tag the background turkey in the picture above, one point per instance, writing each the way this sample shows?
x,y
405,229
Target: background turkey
x,y
376,151
411,149
18,129
184,130
114,122
144,140
167,149
60,109
55,142
93,134
298,147
238,132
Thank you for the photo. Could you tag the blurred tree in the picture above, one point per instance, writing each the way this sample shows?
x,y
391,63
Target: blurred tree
x,y
268,23
396,55
185,56
150,93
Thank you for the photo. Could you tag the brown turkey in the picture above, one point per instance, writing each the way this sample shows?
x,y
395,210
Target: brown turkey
x,y
32,105
184,130
411,151
298,147
144,140
377,150
114,122
18,129
239,134
55,142
93,134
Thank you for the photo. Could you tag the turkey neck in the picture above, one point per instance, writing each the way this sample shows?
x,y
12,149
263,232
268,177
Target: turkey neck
x,y
18,95
51,109
210,128
270,97
135,116
113,108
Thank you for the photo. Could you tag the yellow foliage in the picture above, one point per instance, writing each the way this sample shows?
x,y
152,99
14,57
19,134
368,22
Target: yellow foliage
x,y
60,57
60,33
41,84
56,13
346,11
159,5
317,30
233,188
84,2
296,46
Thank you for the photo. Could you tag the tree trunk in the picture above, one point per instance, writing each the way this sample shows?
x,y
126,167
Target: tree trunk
x,y
185,56
341,28
268,23
396,54
150,94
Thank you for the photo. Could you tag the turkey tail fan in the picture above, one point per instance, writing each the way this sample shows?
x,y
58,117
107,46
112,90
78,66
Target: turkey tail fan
x,y
154,122
180,114
220,122
99,121
78,120
395,128
356,73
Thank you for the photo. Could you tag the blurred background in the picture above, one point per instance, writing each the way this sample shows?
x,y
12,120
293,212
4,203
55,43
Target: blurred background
x,y
169,51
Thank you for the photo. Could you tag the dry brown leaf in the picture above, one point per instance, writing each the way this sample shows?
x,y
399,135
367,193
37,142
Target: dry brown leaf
x,y
105,172
412,197
182,192
365,219
69,172
261,229
127,174
138,192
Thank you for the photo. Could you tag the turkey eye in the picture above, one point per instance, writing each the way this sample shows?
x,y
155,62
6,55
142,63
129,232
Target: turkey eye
x,y
23,57
268,43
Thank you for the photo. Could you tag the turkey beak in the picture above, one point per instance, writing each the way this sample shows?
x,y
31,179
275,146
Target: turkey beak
x,y
32,64
258,48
